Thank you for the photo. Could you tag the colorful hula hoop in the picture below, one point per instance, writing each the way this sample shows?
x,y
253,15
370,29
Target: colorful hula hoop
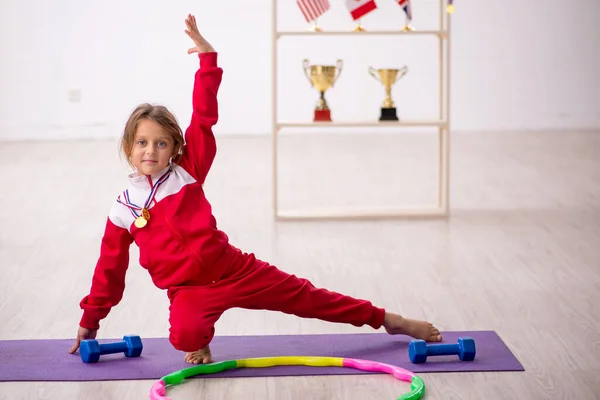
x,y
417,386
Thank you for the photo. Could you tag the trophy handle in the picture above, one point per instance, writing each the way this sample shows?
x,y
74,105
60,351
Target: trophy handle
x,y
305,67
339,65
401,73
373,73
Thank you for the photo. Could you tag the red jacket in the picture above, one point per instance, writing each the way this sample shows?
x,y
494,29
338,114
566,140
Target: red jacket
x,y
180,243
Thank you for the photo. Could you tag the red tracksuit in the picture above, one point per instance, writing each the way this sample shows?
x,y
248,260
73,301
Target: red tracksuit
x,y
185,253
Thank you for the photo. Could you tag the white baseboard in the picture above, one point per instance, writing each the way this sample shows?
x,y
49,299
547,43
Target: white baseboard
x,y
105,131
91,131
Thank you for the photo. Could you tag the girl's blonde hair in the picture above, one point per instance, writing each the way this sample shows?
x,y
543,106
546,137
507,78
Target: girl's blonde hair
x,y
161,116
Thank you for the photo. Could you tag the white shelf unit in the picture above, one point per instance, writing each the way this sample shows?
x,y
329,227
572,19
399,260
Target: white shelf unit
x,y
439,208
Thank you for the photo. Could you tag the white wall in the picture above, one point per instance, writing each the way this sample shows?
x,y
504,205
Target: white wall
x,y
529,64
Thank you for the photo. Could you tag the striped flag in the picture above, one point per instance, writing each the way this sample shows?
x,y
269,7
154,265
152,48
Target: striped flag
x,y
359,8
313,9
405,4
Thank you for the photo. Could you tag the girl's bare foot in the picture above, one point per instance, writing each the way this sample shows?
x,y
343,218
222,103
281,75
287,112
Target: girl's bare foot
x,y
202,356
395,324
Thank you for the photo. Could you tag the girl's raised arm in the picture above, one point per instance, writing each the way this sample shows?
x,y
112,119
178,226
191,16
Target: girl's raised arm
x,y
200,148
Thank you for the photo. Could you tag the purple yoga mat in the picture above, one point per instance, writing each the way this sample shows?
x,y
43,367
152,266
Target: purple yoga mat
x,y
48,360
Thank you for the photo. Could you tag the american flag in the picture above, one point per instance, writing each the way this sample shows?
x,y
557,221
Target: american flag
x,y
405,4
313,9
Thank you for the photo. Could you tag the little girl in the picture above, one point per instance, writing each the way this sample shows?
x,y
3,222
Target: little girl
x,y
165,212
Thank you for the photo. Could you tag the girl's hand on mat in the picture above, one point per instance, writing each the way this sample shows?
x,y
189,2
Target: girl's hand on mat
x,y
82,334
202,46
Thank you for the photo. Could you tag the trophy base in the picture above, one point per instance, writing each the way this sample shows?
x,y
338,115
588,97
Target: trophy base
x,y
322,116
388,114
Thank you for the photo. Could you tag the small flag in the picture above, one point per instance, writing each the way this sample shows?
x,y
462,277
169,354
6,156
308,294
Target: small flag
x,y
450,7
360,8
405,4
313,9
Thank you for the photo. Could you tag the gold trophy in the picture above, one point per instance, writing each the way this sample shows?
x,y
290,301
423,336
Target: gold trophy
x,y
388,77
322,77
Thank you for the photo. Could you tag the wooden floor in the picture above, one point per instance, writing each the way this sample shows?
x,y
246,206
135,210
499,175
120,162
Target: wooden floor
x,y
519,255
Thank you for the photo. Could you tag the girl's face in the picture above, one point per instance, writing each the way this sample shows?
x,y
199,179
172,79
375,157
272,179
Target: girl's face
x,y
152,148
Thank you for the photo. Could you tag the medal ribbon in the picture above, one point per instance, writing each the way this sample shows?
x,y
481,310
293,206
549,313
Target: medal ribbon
x,y
154,188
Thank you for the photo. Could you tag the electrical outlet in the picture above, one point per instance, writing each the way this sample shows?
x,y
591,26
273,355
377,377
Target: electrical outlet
x,y
74,95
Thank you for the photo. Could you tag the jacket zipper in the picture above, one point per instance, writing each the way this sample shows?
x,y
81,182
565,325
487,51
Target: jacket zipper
x,y
185,244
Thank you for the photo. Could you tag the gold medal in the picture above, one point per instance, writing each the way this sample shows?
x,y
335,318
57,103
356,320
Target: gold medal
x,y
140,222
144,216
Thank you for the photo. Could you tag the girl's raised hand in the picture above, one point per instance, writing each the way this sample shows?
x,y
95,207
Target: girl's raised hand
x,y
202,46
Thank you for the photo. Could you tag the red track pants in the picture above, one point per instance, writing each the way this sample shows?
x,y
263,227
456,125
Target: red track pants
x,y
253,284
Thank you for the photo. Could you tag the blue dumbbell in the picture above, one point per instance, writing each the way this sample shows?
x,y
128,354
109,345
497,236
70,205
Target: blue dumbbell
x,y
419,350
91,350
